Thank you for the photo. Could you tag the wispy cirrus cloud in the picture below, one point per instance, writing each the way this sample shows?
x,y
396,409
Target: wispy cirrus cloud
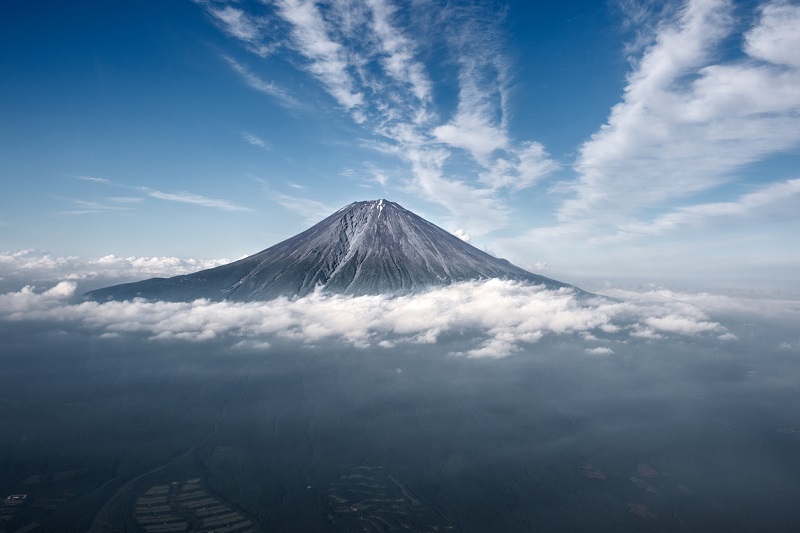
x,y
709,94
93,179
694,111
642,18
479,126
125,199
196,199
312,211
766,201
479,209
367,57
269,88
378,176
326,59
255,140
238,24
181,197
690,119
85,207
397,53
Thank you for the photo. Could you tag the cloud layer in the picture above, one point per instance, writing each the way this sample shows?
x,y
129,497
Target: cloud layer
x,y
34,265
492,318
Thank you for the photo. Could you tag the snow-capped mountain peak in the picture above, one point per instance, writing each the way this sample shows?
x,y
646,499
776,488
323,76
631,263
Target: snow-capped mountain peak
x,y
371,247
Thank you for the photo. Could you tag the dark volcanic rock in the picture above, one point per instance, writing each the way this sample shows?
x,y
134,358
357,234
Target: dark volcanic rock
x,y
372,247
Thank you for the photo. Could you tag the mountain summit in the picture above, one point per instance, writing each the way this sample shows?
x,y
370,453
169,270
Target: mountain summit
x,y
373,247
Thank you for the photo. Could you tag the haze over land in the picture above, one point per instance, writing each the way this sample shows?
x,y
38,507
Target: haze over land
x,y
664,412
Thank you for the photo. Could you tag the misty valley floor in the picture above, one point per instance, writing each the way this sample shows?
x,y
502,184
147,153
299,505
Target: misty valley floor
x,y
116,434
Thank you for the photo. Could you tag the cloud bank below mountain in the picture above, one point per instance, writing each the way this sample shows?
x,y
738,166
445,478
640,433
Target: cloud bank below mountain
x,y
37,265
493,318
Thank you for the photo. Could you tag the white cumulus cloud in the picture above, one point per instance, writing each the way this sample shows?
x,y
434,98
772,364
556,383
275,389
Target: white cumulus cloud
x,y
32,264
600,350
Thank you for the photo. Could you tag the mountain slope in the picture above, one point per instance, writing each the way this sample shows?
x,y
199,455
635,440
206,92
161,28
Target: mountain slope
x,y
371,247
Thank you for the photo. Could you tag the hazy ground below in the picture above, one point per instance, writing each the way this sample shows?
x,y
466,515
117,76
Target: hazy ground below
x,y
687,434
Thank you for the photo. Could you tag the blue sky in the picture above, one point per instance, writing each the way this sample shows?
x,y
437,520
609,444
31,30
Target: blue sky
x,y
655,141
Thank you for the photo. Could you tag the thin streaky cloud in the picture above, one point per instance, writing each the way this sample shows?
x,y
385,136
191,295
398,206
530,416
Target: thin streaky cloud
x,y
267,87
378,176
398,53
94,179
85,207
96,205
327,59
125,199
312,211
239,25
196,199
763,201
256,141
641,18
181,197
78,212
479,126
